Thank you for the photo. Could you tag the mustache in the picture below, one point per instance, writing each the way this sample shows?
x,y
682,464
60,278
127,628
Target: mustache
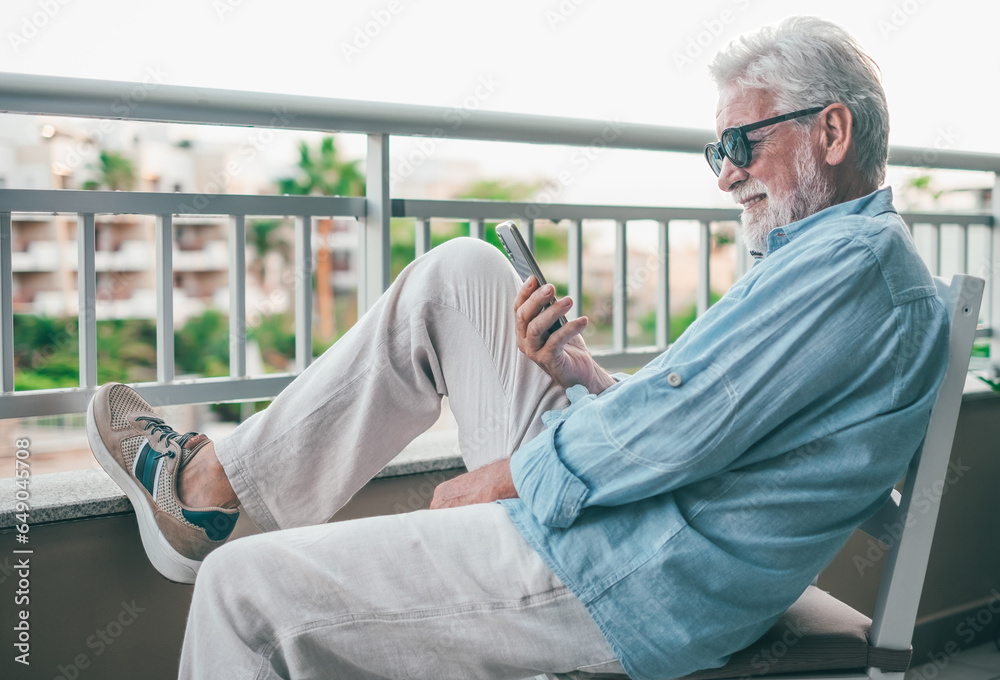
x,y
751,187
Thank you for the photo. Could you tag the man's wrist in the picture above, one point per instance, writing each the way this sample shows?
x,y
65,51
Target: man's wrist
x,y
602,380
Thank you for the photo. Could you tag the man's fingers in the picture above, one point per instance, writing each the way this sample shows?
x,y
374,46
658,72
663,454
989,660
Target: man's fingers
x,y
527,288
546,318
528,312
570,330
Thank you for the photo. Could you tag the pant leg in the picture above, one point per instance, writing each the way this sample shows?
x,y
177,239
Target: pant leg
x,y
434,594
445,327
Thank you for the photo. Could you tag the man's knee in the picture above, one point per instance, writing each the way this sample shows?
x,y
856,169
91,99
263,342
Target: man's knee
x,y
469,254
229,570
466,248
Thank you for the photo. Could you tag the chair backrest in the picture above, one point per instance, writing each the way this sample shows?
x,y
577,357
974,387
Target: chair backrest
x,y
910,526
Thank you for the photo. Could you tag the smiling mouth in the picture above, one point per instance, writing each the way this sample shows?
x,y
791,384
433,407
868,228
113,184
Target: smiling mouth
x,y
754,200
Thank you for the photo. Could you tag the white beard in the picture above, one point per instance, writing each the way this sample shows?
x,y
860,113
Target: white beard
x,y
812,194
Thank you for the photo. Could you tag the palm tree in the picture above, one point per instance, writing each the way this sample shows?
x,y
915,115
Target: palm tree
x,y
324,174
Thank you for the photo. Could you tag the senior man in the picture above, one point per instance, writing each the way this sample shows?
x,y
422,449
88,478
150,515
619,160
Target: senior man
x,y
653,523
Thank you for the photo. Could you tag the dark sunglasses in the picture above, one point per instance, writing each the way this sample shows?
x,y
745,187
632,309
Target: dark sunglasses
x,y
737,148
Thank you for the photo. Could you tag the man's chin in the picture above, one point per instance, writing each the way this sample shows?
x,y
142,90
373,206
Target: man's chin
x,y
754,233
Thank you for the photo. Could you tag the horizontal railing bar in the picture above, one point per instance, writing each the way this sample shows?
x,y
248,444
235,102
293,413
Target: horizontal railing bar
x,y
634,357
87,98
961,219
503,210
917,157
50,201
154,203
204,391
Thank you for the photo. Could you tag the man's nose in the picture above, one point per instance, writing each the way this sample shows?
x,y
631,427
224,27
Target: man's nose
x,y
730,175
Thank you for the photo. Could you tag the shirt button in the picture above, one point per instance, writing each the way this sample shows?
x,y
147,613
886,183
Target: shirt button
x,y
674,380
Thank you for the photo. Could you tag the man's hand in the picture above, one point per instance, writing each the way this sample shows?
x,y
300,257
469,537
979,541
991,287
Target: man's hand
x,y
563,354
483,485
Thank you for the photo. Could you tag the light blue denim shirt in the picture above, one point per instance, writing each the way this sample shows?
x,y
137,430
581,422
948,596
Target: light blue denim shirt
x,y
689,505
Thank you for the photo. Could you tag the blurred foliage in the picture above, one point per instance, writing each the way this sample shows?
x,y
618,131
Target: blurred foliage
x,y
550,243
678,322
324,173
201,346
115,172
919,192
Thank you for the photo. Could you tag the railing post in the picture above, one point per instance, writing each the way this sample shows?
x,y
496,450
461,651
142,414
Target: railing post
x,y
744,260
87,296
477,229
6,306
619,302
575,268
237,296
303,292
992,276
423,236
663,286
704,299
373,248
164,298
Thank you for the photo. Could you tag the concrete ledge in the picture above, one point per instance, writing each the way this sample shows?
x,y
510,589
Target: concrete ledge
x,y
91,493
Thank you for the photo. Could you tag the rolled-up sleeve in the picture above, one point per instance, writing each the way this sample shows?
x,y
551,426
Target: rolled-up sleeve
x,y
557,495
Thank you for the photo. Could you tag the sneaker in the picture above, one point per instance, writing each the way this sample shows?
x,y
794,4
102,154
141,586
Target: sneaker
x,y
144,456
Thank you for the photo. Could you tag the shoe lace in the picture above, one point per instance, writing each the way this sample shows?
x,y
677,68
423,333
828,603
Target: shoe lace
x,y
157,426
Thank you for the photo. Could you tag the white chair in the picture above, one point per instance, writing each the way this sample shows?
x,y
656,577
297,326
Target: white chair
x,y
832,640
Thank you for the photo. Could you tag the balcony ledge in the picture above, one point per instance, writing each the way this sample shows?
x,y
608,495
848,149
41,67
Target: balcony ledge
x,y
81,494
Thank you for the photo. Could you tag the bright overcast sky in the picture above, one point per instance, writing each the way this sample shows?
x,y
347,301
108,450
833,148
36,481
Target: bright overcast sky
x,y
601,59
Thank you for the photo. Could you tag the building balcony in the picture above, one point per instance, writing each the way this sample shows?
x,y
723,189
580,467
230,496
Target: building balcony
x,y
88,556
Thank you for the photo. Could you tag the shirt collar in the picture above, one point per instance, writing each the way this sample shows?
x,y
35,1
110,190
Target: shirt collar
x,y
875,203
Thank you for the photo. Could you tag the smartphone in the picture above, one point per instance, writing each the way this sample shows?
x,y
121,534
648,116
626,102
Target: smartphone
x,y
524,262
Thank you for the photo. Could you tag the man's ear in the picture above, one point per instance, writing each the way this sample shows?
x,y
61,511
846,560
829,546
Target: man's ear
x,y
836,133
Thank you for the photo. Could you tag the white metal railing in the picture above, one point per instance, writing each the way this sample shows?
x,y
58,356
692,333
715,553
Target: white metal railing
x,y
28,94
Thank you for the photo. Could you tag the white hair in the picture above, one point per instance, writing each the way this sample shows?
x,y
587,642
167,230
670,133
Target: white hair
x,y
805,62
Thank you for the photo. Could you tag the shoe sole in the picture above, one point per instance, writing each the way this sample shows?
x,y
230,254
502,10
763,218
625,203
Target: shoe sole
x,y
170,563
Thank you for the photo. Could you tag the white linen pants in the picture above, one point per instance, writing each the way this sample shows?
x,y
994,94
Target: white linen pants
x,y
435,594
